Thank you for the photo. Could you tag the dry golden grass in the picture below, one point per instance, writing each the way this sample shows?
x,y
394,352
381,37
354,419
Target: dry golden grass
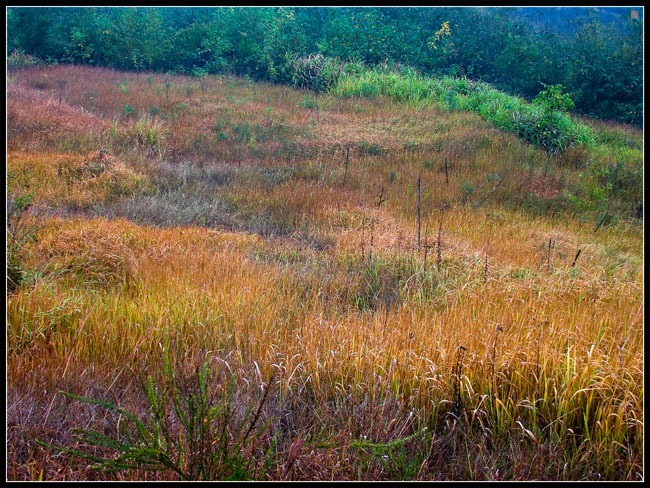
x,y
284,266
72,181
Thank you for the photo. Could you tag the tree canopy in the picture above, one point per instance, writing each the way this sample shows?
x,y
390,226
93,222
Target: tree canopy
x,y
600,63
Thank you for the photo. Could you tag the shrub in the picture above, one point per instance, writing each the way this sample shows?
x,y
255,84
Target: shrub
x,y
315,72
371,148
549,130
552,99
619,180
201,75
18,59
242,132
123,87
308,103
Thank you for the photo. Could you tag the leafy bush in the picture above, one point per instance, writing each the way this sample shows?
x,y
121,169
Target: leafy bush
x,y
242,132
552,99
549,130
123,87
370,148
620,181
202,75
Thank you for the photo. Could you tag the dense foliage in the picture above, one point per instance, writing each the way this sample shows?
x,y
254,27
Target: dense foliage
x,y
599,64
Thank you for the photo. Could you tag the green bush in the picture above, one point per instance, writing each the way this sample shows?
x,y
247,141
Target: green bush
x,y
308,103
553,99
123,87
371,148
242,132
620,181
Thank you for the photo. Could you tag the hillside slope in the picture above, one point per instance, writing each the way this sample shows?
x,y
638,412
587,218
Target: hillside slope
x,y
274,235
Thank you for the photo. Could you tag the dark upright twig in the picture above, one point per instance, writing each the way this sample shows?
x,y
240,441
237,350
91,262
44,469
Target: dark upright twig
x,y
419,193
442,216
446,172
576,258
487,248
601,222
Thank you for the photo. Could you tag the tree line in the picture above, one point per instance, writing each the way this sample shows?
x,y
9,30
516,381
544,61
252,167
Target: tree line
x,y
600,64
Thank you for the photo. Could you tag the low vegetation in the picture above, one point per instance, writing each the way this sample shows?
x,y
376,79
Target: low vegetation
x,y
232,280
540,123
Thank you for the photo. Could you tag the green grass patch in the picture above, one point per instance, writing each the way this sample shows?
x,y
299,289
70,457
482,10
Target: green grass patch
x,y
552,130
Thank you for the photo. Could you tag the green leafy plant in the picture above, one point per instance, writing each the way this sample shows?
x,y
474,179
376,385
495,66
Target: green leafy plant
x,y
553,99
400,463
79,50
308,103
123,87
371,148
189,430
202,75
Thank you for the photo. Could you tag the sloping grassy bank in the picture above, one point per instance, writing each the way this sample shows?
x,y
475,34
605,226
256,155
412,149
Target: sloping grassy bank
x,y
611,159
552,130
159,225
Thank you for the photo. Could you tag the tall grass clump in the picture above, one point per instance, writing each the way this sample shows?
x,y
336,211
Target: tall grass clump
x,y
314,72
146,134
21,230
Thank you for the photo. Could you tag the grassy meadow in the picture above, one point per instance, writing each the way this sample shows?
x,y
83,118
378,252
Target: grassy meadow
x,y
222,279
